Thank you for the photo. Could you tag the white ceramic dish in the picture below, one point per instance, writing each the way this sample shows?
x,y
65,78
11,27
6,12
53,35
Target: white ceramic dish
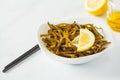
x,y
107,33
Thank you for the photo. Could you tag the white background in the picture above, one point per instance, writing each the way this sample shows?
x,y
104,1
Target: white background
x,y
19,21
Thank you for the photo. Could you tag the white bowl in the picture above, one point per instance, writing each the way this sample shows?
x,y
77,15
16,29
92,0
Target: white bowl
x,y
107,34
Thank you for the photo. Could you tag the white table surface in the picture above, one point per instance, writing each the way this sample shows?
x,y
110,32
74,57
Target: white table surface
x,y
19,21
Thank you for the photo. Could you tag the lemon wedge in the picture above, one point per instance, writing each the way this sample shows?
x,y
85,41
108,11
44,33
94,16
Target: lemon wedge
x,y
96,7
84,41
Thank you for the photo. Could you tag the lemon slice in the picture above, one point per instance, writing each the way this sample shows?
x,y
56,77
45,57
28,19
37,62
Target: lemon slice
x,y
84,41
96,7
